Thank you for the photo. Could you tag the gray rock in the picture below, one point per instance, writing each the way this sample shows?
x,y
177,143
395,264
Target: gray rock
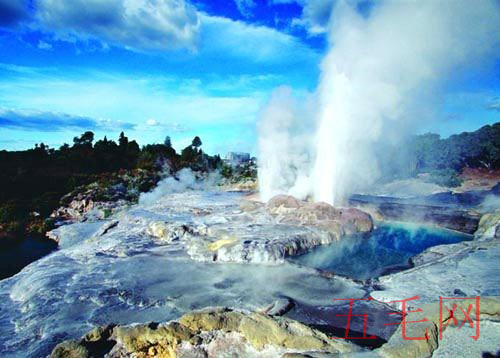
x,y
489,226
471,267
279,307
438,252
285,227
282,203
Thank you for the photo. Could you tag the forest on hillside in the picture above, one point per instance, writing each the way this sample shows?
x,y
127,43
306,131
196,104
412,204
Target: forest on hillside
x,y
33,181
443,158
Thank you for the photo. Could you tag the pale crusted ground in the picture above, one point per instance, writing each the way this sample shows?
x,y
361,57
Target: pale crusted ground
x,y
134,268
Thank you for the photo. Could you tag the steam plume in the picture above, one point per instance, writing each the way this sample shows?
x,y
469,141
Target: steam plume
x,y
382,74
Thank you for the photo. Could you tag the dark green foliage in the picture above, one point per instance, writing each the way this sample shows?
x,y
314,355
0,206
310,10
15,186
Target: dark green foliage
x,y
239,173
445,177
194,158
156,156
10,212
85,139
479,149
226,171
122,140
190,154
40,226
442,159
196,142
34,180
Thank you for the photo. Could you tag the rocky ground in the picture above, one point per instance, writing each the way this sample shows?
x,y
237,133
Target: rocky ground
x,y
218,332
470,180
105,196
455,210
269,233
106,193
213,333
137,266
467,269
212,268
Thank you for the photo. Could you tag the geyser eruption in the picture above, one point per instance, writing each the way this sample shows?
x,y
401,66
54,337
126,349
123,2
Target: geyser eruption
x,y
284,136
382,73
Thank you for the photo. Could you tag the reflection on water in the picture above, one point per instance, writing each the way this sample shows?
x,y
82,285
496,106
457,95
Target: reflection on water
x,y
387,248
15,256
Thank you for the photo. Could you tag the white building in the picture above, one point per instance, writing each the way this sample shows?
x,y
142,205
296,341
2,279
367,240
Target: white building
x,y
236,158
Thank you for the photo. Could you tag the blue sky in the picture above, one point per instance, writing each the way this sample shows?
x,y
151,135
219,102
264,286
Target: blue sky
x,y
171,67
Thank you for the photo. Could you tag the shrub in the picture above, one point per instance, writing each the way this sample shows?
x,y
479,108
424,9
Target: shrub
x,y
445,177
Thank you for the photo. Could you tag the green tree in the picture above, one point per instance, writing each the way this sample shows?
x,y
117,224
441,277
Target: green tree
x,y
85,139
123,141
189,155
196,142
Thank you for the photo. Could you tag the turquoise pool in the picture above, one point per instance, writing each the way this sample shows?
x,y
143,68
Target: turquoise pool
x,y
388,248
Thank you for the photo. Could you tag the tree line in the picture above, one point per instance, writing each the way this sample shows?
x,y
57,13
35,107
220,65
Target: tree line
x,y
35,179
444,158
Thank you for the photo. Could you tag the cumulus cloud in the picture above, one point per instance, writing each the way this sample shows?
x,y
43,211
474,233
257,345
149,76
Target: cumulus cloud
x,y
53,122
12,12
136,24
316,16
245,7
42,45
258,44
165,125
152,122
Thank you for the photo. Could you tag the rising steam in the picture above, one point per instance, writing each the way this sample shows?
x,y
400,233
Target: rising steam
x,y
382,74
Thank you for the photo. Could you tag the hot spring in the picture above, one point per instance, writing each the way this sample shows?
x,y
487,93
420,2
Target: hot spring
x,y
387,249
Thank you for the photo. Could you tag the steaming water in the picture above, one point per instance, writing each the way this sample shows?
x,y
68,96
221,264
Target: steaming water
x,y
127,276
383,76
388,248
114,271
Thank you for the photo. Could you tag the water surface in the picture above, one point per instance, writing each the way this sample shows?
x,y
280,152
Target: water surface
x,y
388,248
15,256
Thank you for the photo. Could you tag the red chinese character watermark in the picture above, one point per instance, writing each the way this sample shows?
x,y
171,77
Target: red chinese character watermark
x,y
349,315
454,319
404,322
450,318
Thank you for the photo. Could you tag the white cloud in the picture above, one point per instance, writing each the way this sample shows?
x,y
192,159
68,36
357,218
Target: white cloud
x,y
245,7
42,45
136,24
163,125
119,98
46,121
225,38
240,65
315,14
159,25
152,122
494,104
